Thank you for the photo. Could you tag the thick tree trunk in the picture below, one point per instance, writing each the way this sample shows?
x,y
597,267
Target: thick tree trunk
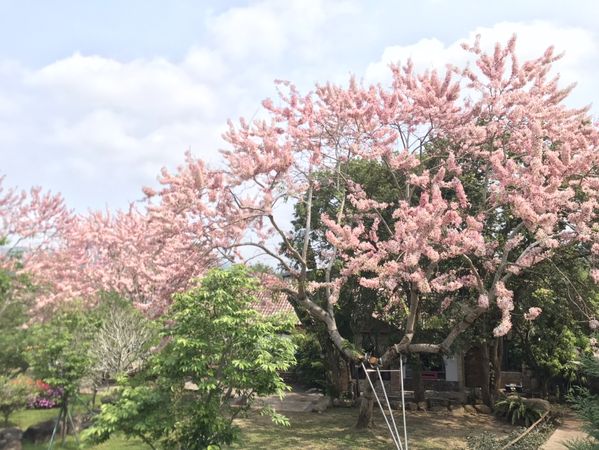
x,y
417,377
94,395
497,356
546,382
486,375
337,371
366,408
336,367
64,410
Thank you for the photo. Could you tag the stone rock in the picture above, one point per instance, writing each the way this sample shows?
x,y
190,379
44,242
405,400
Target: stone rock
x,y
41,432
483,409
538,404
343,402
438,402
320,406
422,406
454,405
458,411
111,399
469,409
412,406
10,438
438,408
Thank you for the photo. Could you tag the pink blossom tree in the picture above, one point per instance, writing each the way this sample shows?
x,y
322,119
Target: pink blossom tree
x,y
496,174
140,258
29,225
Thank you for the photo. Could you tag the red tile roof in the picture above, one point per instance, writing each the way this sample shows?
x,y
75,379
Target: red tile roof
x,y
270,304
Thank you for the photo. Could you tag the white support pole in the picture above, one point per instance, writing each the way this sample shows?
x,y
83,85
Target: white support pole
x,y
389,406
403,402
397,444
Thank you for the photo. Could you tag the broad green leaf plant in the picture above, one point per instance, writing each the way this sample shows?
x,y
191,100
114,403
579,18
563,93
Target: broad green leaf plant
x,y
218,355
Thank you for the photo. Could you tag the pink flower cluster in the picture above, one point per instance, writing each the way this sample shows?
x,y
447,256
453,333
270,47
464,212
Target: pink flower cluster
x,y
533,313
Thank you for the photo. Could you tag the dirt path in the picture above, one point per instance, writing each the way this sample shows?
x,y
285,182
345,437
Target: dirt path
x,y
570,429
297,402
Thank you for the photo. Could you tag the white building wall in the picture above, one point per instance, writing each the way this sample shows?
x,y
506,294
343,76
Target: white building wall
x,y
451,368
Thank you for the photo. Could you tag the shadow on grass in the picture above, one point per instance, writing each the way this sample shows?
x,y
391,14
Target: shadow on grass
x,y
331,430
334,429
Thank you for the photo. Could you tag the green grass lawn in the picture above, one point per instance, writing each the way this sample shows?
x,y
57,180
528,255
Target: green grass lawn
x,y
333,430
330,430
26,418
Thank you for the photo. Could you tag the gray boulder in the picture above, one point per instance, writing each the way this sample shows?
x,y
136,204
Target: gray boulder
x,y
538,404
10,438
41,432
483,409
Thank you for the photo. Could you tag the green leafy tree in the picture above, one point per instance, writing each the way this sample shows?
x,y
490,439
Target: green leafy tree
x,y
219,355
309,369
12,318
58,350
16,291
555,341
58,353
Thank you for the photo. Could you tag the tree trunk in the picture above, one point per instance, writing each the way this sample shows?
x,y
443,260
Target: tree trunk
x,y
94,394
63,432
546,387
486,375
417,377
366,407
337,372
497,356
336,367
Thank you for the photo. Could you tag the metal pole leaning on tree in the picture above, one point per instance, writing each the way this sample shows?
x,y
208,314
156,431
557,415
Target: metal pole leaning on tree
x,y
403,402
395,441
388,405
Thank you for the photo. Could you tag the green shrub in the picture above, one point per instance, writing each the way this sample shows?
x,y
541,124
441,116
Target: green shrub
x,y
586,403
581,444
14,394
532,441
219,356
309,369
515,409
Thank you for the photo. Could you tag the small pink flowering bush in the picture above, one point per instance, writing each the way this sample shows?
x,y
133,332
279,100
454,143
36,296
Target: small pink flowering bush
x,y
47,396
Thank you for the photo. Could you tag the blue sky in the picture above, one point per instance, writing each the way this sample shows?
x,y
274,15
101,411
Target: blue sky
x,y
97,96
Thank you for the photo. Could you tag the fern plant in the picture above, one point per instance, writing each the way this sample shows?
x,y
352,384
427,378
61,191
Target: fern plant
x,y
515,409
585,402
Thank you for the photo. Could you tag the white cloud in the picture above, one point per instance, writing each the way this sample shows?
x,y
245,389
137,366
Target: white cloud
x,y
90,125
98,128
267,30
155,88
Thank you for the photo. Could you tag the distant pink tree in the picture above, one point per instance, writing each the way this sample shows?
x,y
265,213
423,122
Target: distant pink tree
x,y
30,218
124,252
30,222
496,175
